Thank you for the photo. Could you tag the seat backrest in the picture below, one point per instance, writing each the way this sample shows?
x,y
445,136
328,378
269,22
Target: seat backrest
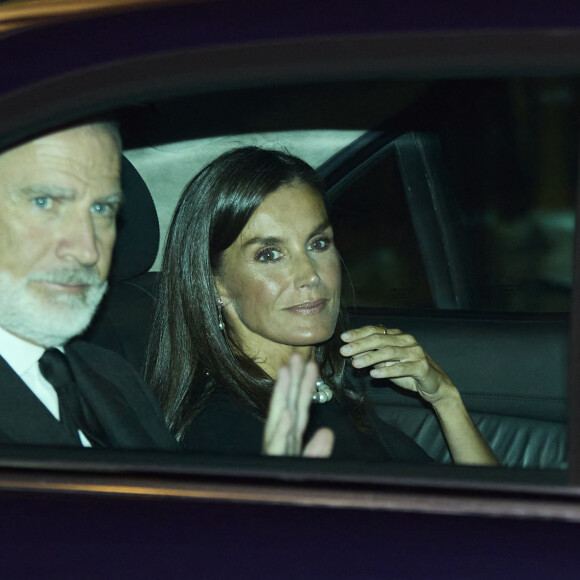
x,y
123,319
511,373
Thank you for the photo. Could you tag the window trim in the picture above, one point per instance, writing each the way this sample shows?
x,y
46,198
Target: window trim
x,y
90,91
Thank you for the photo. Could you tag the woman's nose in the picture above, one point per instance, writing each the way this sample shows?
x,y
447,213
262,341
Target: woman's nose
x,y
306,273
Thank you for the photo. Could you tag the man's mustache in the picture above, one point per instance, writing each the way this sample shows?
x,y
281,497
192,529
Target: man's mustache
x,y
72,276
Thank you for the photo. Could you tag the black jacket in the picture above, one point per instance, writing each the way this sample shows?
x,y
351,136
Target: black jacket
x,y
226,427
121,402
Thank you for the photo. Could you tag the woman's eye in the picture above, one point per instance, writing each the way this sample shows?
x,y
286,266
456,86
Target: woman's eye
x,y
44,202
320,245
268,255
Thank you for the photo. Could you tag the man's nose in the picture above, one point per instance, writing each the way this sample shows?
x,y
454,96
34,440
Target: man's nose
x,y
78,241
306,273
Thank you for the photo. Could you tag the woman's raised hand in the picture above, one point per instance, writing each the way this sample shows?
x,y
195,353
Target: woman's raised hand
x,y
289,411
398,357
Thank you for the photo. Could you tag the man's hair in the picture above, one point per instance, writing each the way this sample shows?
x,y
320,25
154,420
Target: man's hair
x,y
107,123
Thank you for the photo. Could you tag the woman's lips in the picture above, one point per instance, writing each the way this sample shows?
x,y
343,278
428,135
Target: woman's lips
x,y
308,308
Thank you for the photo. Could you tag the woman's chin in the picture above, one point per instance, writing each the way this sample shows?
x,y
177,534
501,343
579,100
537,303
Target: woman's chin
x,y
309,339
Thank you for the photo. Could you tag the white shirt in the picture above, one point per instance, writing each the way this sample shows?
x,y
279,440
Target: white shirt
x,y
23,357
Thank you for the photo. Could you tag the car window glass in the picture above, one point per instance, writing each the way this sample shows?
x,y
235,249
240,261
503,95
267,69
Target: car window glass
x,y
513,167
374,232
457,201
426,227
474,212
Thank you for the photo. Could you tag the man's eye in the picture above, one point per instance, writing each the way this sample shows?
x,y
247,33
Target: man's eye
x,y
268,255
104,209
44,202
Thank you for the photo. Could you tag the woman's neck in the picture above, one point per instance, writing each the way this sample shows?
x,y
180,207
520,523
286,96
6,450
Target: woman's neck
x,y
277,357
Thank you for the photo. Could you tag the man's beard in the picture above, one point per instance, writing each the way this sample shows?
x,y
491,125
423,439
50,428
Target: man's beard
x,y
49,318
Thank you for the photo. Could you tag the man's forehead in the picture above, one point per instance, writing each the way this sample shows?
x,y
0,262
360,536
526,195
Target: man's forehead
x,y
87,152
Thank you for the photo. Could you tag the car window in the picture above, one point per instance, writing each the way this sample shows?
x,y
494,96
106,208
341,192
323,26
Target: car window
x,y
377,240
460,196
448,144
489,175
449,225
435,241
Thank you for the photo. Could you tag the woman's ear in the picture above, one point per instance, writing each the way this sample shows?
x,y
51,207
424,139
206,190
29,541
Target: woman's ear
x,y
221,291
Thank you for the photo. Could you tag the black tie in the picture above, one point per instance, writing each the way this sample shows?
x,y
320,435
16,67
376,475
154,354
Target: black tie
x,y
55,368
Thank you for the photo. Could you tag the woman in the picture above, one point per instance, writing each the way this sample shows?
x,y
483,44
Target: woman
x,y
250,277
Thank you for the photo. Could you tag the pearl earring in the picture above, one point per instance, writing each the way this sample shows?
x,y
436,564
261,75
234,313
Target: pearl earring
x,y
221,323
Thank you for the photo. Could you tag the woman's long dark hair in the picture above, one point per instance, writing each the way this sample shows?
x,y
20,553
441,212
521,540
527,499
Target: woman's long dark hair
x,y
188,353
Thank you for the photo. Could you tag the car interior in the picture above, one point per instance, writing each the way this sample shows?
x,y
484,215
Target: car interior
x,y
452,225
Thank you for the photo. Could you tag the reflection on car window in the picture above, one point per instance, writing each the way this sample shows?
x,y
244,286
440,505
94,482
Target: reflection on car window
x,y
498,159
377,241
511,151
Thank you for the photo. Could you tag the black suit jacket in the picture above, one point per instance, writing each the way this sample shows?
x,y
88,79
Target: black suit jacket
x,y
120,400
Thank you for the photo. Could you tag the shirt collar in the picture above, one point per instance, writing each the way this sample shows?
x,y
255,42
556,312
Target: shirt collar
x,y
20,354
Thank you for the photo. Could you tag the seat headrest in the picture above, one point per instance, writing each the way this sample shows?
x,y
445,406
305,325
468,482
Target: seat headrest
x,y
137,228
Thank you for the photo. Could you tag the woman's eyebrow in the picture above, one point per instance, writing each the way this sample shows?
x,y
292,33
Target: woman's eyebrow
x,y
273,240
262,241
318,230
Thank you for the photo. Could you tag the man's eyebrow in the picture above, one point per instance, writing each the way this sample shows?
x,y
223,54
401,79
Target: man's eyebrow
x,y
55,190
272,240
113,197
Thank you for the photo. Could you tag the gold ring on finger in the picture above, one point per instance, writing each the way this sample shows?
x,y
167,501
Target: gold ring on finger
x,y
382,328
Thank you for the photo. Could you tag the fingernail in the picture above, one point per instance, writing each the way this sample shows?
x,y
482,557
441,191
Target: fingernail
x,y
345,349
345,335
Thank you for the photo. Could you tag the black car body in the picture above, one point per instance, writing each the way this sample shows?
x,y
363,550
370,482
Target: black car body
x,y
199,70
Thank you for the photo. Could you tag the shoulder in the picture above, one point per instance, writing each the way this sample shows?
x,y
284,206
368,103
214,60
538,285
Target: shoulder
x,y
102,366
101,359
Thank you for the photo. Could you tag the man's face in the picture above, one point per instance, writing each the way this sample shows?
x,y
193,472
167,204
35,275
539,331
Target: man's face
x,y
59,196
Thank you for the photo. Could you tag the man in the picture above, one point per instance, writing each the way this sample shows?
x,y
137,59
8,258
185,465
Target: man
x,y
59,196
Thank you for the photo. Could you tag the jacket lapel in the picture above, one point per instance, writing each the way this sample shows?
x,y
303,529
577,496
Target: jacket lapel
x,y
23,417
127,416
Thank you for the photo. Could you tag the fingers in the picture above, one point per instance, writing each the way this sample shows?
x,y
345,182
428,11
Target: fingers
x,y
321,444
289,408
363,332
373,337
278,404
394,369
389,356
302,386
306,389
277,435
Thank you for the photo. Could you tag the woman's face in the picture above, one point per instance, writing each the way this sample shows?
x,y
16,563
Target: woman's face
x,y
280,280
